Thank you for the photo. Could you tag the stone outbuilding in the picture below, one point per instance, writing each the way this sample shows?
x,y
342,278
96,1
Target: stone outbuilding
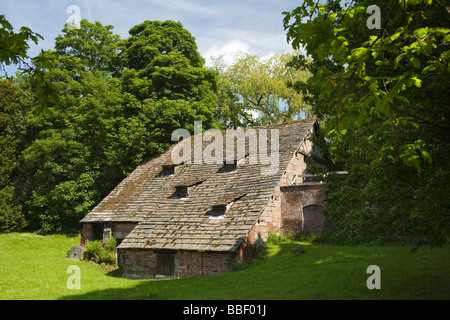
x,y
199,215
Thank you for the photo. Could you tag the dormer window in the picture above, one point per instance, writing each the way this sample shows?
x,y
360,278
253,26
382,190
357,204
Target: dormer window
x,y
218,212
229,167
181,192
168,170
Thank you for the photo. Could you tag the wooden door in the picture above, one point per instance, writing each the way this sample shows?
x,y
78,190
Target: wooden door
x,y
165,263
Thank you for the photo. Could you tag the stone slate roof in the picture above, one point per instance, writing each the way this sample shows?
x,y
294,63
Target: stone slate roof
x,y
165,222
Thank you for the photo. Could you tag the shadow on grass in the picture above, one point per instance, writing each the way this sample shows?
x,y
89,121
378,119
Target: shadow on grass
x,y
227,286
321,272
134,293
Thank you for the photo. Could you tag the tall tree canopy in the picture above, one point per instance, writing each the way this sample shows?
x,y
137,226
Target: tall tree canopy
x,y
111,116
162,61
11,216
253,91
383,97
94,45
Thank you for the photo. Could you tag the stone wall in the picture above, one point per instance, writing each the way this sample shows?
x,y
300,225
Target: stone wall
x,y
118,229
86,233
142,263
122,229
301,207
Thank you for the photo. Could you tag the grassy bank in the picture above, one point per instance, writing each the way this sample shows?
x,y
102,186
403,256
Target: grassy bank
x,y
35,267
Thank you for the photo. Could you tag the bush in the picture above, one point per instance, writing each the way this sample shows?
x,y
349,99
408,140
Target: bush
x,y
238,266
111,244
92,249
275,238
95,251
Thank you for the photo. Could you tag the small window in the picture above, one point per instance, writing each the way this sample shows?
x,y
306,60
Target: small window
x,y
218,212
229,167
181,192
168,170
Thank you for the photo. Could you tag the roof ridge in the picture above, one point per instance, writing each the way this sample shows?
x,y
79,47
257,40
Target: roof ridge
x,y
263,126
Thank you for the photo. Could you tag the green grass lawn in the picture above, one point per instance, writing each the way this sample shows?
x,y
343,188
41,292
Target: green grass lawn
x,y
35,267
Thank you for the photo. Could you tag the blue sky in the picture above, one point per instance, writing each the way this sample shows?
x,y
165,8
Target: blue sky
x,y
219,26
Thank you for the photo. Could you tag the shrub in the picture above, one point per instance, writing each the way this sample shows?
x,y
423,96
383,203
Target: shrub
x,y
308,238
92,249
111,244
275,238
106,257
95,251
238,265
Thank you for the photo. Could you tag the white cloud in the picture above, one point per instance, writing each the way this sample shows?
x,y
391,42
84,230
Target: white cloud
x,y
235,41
228,51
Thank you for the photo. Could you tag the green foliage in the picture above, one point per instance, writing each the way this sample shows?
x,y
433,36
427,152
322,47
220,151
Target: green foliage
x,y
111,244
92,44
92,249
382,97
238,266
101,254
15,45
109,117
369,75
11,216
162,61
69,149
252,91
275,238
278,238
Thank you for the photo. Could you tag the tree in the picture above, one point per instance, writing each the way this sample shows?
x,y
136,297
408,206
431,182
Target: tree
x,y
11,216
83,147
381,94
14,47
95,45
258,92
162,61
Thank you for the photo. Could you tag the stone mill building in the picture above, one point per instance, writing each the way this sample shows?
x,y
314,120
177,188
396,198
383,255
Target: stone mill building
x,y
199,215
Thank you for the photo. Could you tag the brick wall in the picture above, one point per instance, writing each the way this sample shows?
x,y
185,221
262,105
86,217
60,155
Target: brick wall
x,y
301,207
193,263
295,168
313,220
142,263
268,221
271,217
